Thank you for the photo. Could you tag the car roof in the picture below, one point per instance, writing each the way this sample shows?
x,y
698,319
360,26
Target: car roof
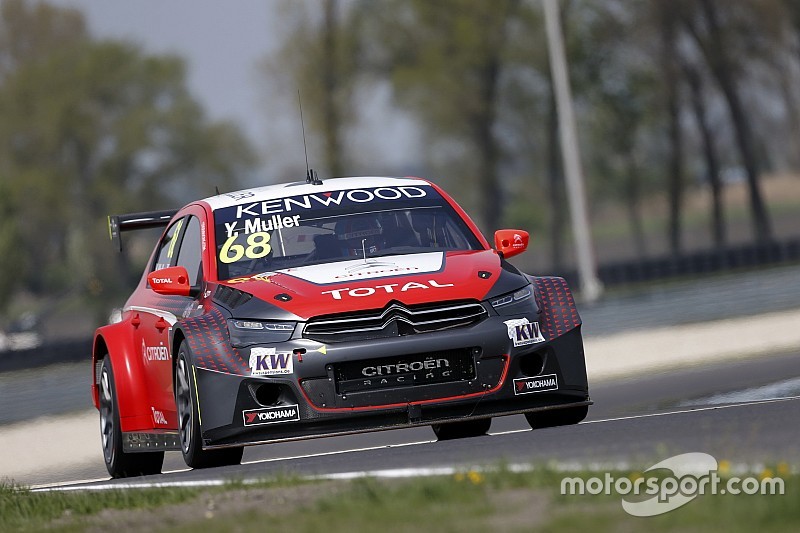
x,y
298,188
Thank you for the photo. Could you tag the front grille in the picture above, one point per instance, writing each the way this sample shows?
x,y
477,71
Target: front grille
x,y
404,371
394,320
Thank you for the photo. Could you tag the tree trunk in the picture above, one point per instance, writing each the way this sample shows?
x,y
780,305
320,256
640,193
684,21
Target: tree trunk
x,y
723,72
484,119
710,153
330,112
634,203
490,194
793,14
555,187
675,179
785,74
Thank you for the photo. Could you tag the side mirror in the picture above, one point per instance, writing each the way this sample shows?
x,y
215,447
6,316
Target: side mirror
x,y
510,242
170,281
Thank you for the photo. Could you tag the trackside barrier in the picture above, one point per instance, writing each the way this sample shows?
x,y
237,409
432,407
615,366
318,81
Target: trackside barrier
x,y
695,263
48,354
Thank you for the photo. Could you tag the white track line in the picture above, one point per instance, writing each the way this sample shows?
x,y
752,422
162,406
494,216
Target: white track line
x,y
664,413
695,409
338,452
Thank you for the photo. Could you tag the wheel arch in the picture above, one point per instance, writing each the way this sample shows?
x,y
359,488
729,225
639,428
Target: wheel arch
x,y
115,342
178,336
99,352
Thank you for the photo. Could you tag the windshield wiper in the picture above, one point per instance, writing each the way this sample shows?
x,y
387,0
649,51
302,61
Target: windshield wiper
x,y
399,250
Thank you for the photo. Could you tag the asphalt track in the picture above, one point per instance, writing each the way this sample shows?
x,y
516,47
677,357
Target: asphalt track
x,y
746,412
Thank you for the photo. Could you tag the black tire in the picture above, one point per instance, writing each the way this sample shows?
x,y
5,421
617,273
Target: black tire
x,y
462,430
118,463
189,430
557,417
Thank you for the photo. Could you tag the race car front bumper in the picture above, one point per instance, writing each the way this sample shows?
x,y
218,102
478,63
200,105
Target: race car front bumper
x,y
355,387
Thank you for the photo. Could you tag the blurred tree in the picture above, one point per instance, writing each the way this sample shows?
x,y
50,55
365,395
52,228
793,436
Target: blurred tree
x,y
330,77
319,61
696,84
668,25
649,79
446,61
715,31
556,193
616,87
30,33
781,53
89,128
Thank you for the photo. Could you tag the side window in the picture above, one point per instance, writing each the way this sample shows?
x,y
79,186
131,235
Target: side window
x,y
190,255
167,248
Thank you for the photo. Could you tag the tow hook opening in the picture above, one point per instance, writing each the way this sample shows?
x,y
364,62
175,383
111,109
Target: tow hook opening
x,y
267,394
532,364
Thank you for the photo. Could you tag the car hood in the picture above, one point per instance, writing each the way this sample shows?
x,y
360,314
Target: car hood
x,y
354,285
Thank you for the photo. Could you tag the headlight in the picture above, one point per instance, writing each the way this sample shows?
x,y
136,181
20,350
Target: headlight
x,y
246,332
514,303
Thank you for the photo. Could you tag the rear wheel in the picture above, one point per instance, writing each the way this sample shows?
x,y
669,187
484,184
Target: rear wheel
x,y
186,402
462,430
557,417
119,463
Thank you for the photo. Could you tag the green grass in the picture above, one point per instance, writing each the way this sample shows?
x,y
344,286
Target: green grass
x,y
23,510
706,513
470,501
372,505
480,502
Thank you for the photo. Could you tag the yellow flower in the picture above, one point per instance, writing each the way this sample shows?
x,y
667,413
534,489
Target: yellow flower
x,y
783,469
475,477
766,473
724,467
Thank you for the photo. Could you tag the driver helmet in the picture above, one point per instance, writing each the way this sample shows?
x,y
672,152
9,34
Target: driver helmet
x,y
359,234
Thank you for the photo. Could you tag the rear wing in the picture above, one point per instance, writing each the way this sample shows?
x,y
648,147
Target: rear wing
x,y
135,221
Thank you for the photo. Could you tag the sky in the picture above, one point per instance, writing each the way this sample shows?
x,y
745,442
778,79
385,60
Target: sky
x,y
222,43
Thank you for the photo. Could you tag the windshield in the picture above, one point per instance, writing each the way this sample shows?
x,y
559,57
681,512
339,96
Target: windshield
x,y
255,237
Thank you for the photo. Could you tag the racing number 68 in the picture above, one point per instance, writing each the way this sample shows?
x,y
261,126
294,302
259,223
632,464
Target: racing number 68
x,y
257,247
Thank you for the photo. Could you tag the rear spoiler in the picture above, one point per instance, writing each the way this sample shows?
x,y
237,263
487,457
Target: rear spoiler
x,y
134,221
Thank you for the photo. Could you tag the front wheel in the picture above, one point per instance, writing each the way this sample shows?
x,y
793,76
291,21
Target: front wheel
x,y
118,463
187,406
557,417
462,430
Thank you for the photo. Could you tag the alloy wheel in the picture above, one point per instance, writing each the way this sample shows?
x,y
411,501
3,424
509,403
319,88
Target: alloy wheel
x,y
183,399
106,416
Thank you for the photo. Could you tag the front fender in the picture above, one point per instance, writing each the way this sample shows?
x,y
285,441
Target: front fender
x,y
213,360
208,340
115,341
554,299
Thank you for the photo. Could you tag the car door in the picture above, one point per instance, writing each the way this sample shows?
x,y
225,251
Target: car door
x,y
156,320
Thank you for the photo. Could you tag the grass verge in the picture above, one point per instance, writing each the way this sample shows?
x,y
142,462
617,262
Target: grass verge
x,y
23,510
469,501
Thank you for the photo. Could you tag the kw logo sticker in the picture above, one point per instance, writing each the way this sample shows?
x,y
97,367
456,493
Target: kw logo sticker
x,y
523,332
266,362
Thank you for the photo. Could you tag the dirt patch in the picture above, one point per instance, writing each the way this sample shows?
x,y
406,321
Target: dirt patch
x,y
207,505
519,509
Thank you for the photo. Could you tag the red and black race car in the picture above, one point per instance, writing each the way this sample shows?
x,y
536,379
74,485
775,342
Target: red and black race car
x,y
312,309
